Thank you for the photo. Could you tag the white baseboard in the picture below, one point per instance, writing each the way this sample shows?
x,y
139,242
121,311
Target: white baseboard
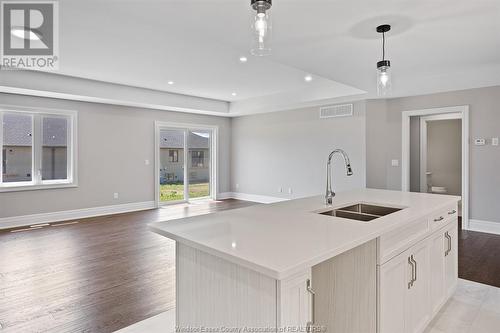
x,y
250,197
26,220
224,195
484,226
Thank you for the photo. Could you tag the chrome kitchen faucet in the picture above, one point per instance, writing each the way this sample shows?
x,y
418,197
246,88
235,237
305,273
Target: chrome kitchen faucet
x,y
329,192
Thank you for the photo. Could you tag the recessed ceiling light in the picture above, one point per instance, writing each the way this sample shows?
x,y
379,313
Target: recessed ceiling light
x,y
308,78
243,59
234,94
170,82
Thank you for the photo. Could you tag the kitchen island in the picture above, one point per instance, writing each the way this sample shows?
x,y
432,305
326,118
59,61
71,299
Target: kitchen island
x,y
375,260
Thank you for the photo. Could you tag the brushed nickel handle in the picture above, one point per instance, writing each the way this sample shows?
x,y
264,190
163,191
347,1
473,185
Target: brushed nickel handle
x,y
448,237
439,219
452,212
416,268
313,296
410,262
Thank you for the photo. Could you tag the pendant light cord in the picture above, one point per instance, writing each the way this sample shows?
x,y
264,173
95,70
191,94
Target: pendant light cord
x,y
383,46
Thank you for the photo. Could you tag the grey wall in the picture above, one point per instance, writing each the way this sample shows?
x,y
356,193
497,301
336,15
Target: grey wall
x,y
289,149
444,154
113,144
383,142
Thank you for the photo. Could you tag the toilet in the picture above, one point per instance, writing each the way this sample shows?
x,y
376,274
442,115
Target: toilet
x,y
439,190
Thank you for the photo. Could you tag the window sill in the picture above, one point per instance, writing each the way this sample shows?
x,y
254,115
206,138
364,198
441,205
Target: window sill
x,y
30,187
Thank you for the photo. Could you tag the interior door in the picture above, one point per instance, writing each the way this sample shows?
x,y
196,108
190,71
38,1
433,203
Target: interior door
x,y
172,171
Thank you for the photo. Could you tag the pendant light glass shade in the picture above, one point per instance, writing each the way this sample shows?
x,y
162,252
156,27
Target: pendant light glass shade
x,y
384,83
261,28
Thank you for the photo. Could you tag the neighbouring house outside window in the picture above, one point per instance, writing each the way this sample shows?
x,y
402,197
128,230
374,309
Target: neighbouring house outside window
x,y
38,149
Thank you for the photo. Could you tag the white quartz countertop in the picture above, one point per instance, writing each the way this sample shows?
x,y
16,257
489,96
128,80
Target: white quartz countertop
x,y
284,238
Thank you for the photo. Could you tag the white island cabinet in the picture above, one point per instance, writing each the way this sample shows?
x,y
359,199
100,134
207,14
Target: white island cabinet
x,y
287,267
414,284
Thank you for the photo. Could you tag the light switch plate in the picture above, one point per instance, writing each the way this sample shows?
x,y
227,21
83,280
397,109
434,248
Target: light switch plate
x,y
480,142
395,163
494,141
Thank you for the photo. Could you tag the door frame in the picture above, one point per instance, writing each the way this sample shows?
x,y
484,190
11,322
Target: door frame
x,y
159,125
423,143
463,110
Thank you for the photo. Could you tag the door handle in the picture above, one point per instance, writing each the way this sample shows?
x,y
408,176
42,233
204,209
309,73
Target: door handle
x,y
452,212
313,296
439,219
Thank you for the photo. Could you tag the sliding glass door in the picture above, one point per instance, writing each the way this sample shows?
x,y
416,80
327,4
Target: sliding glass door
x,y
198,165
184,164
172,159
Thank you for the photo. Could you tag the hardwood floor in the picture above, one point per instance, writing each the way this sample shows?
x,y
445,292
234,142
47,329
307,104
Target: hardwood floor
x,y
95,275
102,274
479,257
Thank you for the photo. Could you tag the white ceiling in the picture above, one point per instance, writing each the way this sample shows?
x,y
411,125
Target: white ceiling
x,y
435,45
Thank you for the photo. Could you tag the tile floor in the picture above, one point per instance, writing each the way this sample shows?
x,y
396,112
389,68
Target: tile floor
x,y
475,308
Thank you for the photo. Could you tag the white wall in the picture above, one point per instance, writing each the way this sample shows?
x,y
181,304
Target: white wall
x,y
113,144
383,143
289,150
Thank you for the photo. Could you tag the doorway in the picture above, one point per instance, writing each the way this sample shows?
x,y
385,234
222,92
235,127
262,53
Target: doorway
x,y
435,153
440,153
185,163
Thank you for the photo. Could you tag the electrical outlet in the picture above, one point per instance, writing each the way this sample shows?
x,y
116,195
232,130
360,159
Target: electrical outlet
x,y
395,163
146,162
494,141
237,186
290,191
280,189
115,195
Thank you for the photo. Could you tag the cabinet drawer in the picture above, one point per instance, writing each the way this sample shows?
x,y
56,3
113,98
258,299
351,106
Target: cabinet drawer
x,y
397,241
443,216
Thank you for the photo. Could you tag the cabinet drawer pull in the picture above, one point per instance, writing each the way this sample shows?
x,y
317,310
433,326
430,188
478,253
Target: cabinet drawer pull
x,y
448,237
416,268
439,219
410,262
313,295
452,212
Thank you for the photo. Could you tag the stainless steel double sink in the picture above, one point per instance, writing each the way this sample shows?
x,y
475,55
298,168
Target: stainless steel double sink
x,y
361,212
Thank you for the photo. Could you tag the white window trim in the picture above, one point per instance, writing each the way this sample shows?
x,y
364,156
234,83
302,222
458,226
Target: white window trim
x,y
37,183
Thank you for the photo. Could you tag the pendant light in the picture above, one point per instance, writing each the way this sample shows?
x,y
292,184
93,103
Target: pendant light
x,y
383,66
261,27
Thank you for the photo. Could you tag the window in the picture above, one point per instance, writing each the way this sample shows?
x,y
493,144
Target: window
x,y
37,149
173,155
197,158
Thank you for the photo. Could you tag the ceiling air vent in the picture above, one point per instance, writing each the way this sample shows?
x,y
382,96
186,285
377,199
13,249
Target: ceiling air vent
x,y
332,111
